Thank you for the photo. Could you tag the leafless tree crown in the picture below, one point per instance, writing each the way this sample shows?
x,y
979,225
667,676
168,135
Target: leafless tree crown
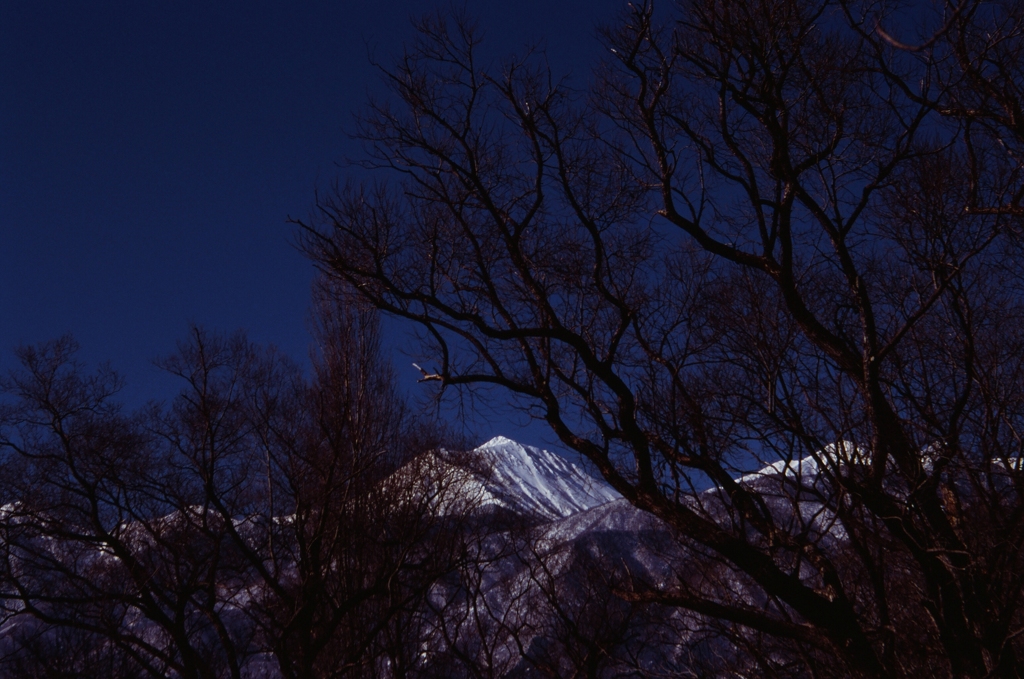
x,y
766,232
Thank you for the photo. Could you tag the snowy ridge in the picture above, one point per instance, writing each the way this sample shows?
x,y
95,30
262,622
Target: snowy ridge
x,y
841,453
806,467
539,482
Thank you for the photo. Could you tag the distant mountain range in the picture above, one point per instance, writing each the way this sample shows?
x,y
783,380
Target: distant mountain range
x,y
548,583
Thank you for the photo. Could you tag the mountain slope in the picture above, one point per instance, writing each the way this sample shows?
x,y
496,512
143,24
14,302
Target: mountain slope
x,y
537,482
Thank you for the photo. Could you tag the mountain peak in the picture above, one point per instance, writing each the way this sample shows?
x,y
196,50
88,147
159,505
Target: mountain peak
x,y
539,482
498,441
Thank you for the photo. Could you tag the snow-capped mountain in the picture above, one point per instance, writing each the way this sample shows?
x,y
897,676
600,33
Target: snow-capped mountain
x,y
517,600
537,482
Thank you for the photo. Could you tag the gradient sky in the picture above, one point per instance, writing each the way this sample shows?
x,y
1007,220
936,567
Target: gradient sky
x,y
151,152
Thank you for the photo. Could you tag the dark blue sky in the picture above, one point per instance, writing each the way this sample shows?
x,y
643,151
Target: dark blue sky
x,y
151,151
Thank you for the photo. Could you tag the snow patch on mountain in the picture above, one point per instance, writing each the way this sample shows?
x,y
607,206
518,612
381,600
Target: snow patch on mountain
x,y
834,455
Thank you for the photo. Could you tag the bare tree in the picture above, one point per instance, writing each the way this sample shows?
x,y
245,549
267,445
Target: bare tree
x,y
768,233
100,551
261,522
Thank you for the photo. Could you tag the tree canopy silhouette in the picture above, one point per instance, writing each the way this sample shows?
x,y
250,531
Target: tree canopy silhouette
x,y
766,232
